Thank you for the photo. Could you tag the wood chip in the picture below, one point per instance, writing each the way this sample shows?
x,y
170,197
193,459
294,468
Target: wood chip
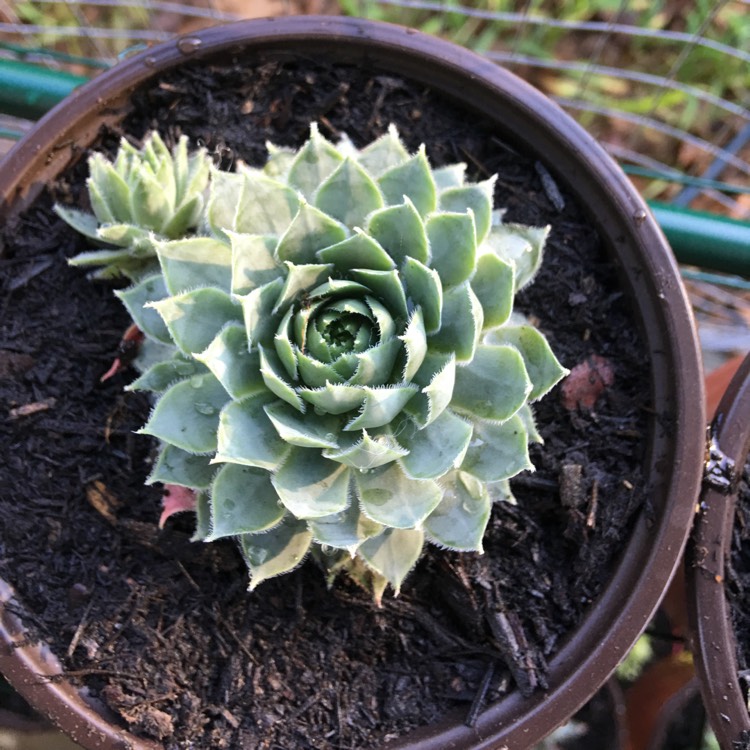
x,y
103,501
28,409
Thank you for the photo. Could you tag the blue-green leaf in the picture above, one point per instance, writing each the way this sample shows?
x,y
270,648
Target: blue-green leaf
x,y
476,197
176,466
265,206
344,530
498,451
435,449
389,497
306,431
459,522
383,153
253,263
135,298
243,501
541,364
424,289
232,363
274,552
314,162
194,318
187,415
247,436
311,230
358,251
412,179
349,194
311,486
400,230
454,246
461,324
493,386
393,553
493,283
381,405
195,262
366,451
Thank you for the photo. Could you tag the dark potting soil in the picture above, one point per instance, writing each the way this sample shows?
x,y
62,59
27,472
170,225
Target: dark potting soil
x,y
161,629
737,586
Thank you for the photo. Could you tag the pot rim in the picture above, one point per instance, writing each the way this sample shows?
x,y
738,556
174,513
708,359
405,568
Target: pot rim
x,y
712,636
649,273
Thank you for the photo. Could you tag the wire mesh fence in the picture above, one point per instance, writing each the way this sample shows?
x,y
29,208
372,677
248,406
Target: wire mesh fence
x,y
664,85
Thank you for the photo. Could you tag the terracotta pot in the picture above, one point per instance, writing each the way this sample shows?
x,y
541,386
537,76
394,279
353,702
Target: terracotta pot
x,y
674,456
712,636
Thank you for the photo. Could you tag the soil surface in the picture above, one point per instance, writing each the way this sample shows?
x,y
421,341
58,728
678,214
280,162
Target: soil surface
x,y
161,629
738,586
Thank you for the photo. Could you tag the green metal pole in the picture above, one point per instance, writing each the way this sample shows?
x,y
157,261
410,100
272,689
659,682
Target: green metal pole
x,y
707,240
30,90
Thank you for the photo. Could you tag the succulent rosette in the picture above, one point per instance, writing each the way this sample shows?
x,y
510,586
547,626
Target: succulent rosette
x,y
143,194
336,359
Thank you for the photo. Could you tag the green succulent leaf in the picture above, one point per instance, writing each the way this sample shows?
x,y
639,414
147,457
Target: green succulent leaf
x,y
344,530
195,262
334,398
414,339
243,501
310,486
311,230
381,405
265,206
435,449
438,376
235,366
476,198
202,517
493,283
247,436
305,431
366,451
84,223
223,199
314,162
459,521
162,375
450,176
393,553
401,231
349,194
424,289
412,179
375,365
541,364
261,323
300,279
386,286
253,262
522,245
384,153
274,552
150,205
357,251
388,496
493,386
109,193
194,318
461,324
176,466
271,370
137,300
127,235
454,246
187,415
498,451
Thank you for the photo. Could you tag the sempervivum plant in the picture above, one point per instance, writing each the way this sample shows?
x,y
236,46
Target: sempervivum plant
x,y
336,359
141,195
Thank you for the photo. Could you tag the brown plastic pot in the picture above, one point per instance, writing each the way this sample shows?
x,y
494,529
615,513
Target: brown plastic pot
x,y
521,115
712,635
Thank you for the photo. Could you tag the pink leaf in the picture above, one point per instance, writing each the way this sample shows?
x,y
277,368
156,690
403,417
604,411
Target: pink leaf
x,y
586,382
176,500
